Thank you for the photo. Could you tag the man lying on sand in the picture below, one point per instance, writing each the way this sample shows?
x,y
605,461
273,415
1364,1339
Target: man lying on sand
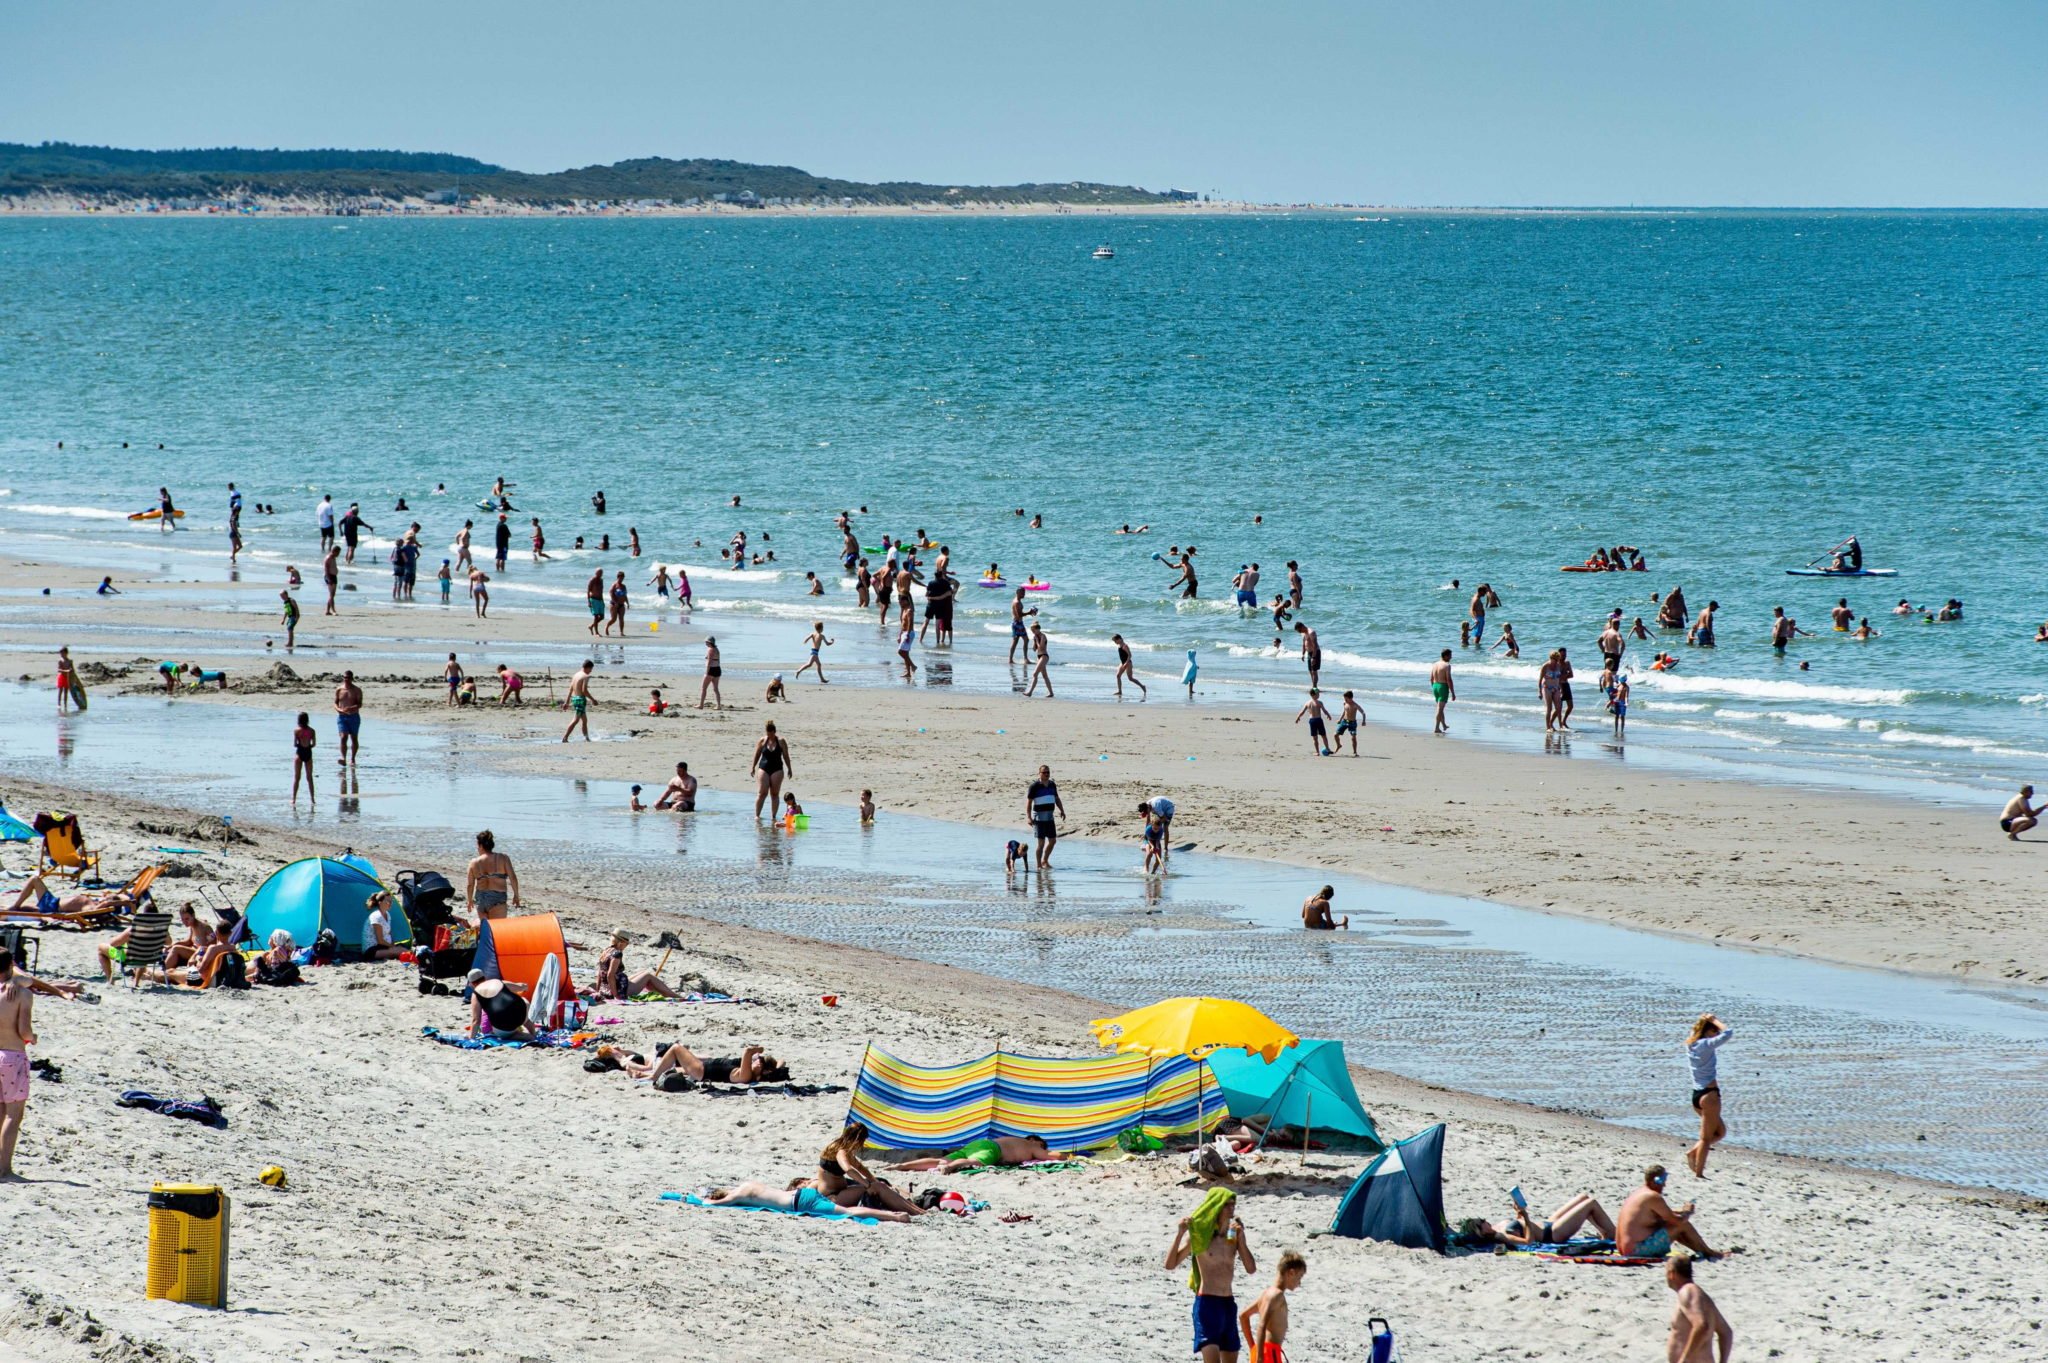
x,y
988,1154
1648,1226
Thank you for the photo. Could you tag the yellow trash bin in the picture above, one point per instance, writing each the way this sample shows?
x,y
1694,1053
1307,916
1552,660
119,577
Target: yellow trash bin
x,y
188,1244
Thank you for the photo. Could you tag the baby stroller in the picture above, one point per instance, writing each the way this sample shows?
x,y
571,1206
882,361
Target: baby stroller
x,y
428,901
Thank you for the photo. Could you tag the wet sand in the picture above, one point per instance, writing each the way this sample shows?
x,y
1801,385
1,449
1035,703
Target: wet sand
x,y
1838,876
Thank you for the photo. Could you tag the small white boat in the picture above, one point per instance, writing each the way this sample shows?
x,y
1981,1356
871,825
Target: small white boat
x,y
1104,253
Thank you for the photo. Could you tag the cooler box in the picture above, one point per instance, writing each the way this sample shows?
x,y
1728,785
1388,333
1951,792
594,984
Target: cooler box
x,y
188,1244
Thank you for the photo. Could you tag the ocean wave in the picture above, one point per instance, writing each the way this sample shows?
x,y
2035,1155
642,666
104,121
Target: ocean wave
x,y
82,513
1763,688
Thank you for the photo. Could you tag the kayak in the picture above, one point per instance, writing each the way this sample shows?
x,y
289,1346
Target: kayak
x,y
154,515
1841,572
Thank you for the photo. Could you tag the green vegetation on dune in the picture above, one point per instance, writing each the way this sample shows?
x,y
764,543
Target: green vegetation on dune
x,y
112,174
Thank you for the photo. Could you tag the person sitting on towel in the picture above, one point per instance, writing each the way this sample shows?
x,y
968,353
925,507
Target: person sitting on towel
x,y
496,1010
1521,1230
988,1153
1648,1225
614,981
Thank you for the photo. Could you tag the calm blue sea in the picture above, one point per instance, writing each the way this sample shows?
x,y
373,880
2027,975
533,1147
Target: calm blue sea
x,y
1404,400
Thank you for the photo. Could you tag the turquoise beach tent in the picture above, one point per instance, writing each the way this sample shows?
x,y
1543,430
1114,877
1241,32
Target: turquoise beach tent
x,y
1306,1086
13,829
317,893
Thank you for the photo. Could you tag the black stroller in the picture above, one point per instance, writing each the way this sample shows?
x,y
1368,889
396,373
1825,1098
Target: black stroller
x,y
428,901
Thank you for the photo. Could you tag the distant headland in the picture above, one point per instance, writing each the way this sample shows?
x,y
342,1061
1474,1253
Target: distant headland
x,y
62,177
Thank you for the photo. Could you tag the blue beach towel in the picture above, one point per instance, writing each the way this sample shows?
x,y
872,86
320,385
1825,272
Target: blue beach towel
x,y
691,1199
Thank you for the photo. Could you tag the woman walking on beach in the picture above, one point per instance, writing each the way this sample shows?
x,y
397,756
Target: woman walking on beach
x,y
770,765
712,671
1700,1047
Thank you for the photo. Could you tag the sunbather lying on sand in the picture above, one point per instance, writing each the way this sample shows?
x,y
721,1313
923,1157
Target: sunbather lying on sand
x,y
753,1065
800,1197
1520,1229
844,1178
986,1153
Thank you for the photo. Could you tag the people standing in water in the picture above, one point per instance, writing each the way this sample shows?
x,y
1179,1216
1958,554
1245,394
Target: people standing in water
x,y
166,514
1124,670
491,882
463,561
303,739
1618,702
540,542
712,672
619,602
1478,613
1311,654
330,575
291,620
348,718
352,527
480,591
1041,803
501,542
1507,641
1702,635
1702,1046
1017,631
1185,566
1442,689
772,763
579,702
66,679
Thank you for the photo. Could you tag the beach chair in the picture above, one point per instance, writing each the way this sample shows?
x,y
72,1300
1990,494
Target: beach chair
x,y
136,889
148,937
65,856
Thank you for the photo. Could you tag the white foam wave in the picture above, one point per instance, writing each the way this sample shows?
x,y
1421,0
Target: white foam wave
x,y
81,513
1763,688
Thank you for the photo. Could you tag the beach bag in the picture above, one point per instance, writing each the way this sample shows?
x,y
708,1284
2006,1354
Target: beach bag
x,y
266,973
1136,1142
232,972
675,1081
326,947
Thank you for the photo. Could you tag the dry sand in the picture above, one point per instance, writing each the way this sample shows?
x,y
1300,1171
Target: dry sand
x,y
446,1204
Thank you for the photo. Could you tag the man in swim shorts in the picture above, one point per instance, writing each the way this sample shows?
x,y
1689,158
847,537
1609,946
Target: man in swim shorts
x,y
2020,814
1443,690
681,792
1264,1322
1041,803
348,717
1216,1243
1647,1225
1311,654
579,701
1349,717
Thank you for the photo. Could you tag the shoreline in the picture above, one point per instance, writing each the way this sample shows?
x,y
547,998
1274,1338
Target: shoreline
x,y
1717,859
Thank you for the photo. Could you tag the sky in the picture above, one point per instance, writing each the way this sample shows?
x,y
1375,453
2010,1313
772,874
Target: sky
x,y
1411,102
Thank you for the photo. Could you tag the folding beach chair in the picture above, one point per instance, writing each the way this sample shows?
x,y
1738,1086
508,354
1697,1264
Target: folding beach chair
x,y
148,936
137,889
66,856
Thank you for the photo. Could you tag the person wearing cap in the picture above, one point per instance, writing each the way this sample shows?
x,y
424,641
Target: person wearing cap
x,y
1647,1226
496,1010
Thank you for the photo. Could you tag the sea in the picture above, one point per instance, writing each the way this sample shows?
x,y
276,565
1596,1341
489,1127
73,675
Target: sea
x,y
1404,404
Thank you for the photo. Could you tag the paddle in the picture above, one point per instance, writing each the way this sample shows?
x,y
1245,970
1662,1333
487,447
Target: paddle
x,y
1828,555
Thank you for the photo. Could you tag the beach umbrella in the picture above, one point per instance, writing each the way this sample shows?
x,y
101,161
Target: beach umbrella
x,y
1194,1027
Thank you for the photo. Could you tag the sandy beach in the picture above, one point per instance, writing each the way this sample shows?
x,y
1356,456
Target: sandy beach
x,y
449,1204
1867,880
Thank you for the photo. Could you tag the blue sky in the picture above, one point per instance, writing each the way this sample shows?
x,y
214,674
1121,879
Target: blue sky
x,y
1425,102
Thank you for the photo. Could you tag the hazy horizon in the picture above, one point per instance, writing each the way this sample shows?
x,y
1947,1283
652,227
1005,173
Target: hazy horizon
x,y
1582,104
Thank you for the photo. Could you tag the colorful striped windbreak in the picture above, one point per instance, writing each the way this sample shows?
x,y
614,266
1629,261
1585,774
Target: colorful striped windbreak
x,y
1075,1103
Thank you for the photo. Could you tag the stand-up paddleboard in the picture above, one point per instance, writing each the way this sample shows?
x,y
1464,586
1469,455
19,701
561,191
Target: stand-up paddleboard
x,y
1841,572
154,515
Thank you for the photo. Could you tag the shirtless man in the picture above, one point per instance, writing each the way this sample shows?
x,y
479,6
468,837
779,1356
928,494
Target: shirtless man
x,y
348,718
1247,584
1612,646
1841,616
1264,1323
2019,815
1124,670
1043,648
579,702
330,573
816,642
17,1034
1647,1225
1783,629
1294,583
1185,565
1017,632
1699,1332
1311,654
1703,628
1315,911
463,561
988,1153
681,792
1442,689
593,599
1216,1262
1350,718
491,880
1318,715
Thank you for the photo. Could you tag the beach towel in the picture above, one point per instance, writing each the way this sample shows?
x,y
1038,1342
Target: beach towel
x,y
1202,1229
1043,1166
561,1039
693,1200
206,1112
769,1090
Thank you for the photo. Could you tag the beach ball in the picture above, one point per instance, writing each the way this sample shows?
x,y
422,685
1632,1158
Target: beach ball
x,y
273,1176
654,626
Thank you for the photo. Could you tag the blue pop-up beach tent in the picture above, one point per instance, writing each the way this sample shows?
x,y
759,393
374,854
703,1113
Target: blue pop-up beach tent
x,y
1400,1196
1306,1086
317,893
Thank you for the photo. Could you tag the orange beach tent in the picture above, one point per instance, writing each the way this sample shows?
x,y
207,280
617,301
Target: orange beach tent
x,y
514,950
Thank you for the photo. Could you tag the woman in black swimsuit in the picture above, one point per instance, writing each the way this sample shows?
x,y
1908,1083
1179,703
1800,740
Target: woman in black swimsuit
x,y
753,1065
771,763
850,1183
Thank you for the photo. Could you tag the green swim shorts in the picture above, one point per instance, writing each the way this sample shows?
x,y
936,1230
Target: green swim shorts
x,y
982,1152
577,703
1441,690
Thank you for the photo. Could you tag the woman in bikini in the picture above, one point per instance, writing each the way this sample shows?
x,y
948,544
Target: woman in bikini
x,y
849,1182
614,981
770,765
492,881
1701,1043
799,1198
